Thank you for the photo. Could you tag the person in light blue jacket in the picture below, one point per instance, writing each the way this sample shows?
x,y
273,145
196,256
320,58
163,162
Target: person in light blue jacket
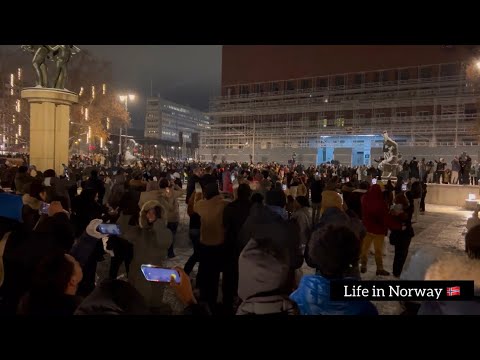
x,y
335,249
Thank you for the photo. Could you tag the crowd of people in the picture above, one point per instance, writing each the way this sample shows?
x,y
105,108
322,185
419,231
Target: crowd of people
x,y
252,228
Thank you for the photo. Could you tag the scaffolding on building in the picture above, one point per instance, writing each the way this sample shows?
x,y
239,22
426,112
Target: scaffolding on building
x,y
431,105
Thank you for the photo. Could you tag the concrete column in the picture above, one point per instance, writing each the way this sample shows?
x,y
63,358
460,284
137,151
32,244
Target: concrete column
x,y
49,127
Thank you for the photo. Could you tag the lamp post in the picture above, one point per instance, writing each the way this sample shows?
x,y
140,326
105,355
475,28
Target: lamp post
x,y
124,99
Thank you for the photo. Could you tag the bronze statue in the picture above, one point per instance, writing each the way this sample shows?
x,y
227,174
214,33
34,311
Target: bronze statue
x,y
61,54
40,54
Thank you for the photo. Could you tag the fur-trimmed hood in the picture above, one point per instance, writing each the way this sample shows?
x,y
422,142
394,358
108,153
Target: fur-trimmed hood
x,y
455,267
34,203
143,222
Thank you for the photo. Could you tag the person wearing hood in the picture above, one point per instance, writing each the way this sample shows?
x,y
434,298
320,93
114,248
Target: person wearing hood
x,y
302,216
331,198
168,198
417,267
335,250
457,267
263,283
374,216
271,221
337,217
151,240
113,297
152,193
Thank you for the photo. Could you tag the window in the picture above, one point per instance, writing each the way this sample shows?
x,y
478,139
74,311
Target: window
x,y
306,84
244,90
403,75
401,114
325,122
322,82
423,113
152,102
380,115
449,70
358,79
290,85
384,76
426,73
275,87
258,88
339,81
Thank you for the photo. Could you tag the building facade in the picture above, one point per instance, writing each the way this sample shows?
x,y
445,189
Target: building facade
x,y
334,102
166,120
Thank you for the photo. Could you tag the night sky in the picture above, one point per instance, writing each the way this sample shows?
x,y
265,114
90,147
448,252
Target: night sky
x,y
187,74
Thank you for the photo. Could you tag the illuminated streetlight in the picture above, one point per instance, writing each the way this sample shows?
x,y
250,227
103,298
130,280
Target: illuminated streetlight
x,y
124,98
478,65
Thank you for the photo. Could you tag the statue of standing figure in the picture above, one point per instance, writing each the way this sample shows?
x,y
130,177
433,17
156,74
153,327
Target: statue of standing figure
x,y
61,54
390,164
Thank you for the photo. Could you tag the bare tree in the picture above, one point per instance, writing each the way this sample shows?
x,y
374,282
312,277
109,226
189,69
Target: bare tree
x,y
88,76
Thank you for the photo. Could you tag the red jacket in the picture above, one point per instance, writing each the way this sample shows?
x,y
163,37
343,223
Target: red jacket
x,y
374,211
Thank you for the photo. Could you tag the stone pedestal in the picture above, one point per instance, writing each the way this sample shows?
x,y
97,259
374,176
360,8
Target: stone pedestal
x,y
49,126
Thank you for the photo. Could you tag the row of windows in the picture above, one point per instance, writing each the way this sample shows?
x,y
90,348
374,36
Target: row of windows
x,y
341,80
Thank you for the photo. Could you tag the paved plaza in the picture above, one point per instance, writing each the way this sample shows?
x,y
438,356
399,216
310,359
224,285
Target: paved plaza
x,y
440,226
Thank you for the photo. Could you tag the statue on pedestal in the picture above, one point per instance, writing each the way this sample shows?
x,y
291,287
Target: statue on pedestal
x,y
61,54
390,164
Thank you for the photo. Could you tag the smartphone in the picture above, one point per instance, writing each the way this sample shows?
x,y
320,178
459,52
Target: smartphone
x,y
347,179
374,181
284,187
159,274
343,181
232,178
404,187
109,229
44,208
198,188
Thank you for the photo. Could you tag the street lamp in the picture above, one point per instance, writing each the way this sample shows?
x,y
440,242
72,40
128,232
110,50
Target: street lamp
x,y
124,98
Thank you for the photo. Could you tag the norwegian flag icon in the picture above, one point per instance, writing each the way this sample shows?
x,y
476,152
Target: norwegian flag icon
x,y
453,291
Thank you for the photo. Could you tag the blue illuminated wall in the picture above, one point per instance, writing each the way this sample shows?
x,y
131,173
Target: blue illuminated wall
x,y
358,148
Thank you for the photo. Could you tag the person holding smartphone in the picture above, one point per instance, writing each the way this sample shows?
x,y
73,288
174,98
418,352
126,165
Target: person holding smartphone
x,y
32,204
151,241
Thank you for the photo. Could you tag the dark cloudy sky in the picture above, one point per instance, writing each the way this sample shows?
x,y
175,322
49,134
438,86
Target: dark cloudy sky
x,y
187,74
